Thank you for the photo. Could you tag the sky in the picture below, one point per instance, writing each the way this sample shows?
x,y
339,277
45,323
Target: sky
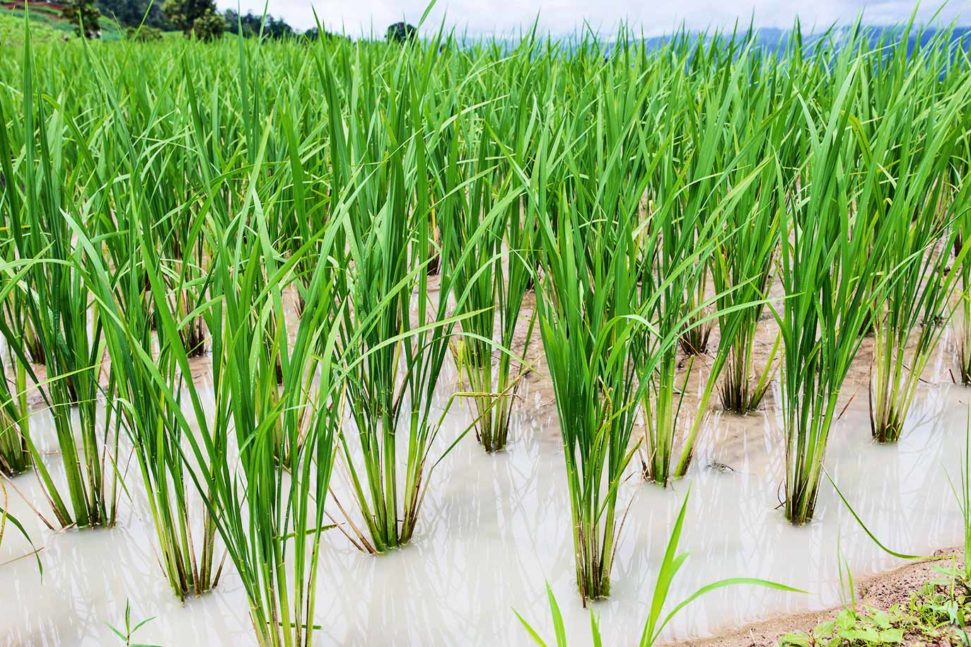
x,y
561,17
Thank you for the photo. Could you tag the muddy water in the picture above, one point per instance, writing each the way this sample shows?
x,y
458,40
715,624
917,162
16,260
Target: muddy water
x,y
496,528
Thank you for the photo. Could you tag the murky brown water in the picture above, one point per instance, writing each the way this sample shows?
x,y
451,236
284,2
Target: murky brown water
x,y
496,528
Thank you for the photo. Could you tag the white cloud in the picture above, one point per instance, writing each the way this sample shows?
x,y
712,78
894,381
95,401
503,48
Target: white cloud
x,y
564,16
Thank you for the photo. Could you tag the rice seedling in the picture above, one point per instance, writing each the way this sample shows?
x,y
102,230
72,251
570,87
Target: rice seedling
x,y
830,273
590,336
384,270
743,273
842,228
594,388
147,399
496,274
683,228
914,218
56,304
588,301
742,264
161,214
14,413
407,327
275,397
657,619
14,420
15,314
148,403
285,515
126,634
694,341
691,136
270,519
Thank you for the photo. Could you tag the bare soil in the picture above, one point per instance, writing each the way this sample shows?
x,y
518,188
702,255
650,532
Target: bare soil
x,y
880,591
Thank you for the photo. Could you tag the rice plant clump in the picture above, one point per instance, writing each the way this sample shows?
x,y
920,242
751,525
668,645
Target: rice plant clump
x,y
914,219
54,299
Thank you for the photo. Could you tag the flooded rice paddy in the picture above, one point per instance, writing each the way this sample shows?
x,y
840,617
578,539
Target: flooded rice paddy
x,y
496,530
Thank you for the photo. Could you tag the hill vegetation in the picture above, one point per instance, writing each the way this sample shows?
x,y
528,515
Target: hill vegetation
x,y
47,24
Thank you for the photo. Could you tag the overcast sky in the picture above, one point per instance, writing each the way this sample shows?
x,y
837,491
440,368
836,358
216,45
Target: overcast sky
x,y
654,17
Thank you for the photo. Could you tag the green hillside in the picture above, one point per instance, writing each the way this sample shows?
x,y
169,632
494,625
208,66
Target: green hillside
x,y
46,25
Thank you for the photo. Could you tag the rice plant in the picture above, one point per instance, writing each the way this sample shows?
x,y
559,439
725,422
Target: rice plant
x,y
57,305
283,510
962,224
589,336
149,404
589,312
389,268
842,226
166,209
147,399
694,341
828,271
686,221
14,452
269,519
914,216
14,413
742,267
407,327
494,269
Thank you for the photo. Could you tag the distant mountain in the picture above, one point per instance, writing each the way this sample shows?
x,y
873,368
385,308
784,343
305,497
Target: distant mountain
x,y
770,39
776,39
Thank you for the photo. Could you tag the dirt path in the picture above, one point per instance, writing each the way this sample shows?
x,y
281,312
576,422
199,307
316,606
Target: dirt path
x,y
878,591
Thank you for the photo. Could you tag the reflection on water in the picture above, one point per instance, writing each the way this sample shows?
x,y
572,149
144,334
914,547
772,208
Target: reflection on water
x,y
496,528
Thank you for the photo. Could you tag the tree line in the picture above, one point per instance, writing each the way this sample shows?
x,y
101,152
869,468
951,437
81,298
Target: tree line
x,y
147,19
